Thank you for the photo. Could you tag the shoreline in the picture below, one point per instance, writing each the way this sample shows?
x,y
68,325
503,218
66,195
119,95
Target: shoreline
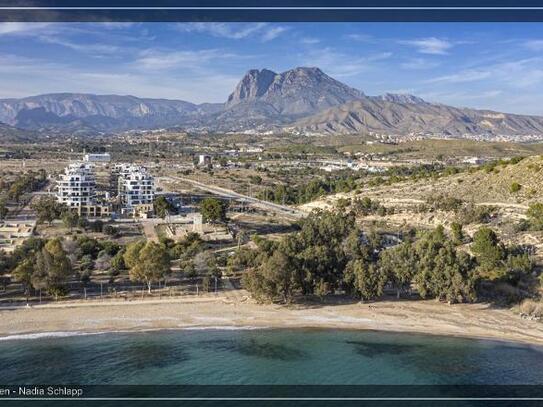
x,y
66,334
427,317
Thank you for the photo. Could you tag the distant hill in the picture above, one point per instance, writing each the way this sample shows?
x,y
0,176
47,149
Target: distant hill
x,y
102,113
9,134
302,100
403,115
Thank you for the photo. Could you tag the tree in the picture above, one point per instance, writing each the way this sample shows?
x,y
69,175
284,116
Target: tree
x,y
6,261
443,272
273,280
111,230
399,264
23,274
3,209
535,215
213,210
162,206
117,265
47,209
457,233
153,264
88,246
205,263
97,226
489,252
132,253
69,219
52,268
367,279
277,270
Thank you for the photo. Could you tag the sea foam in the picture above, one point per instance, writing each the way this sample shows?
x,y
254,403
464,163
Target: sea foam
x,y
55,334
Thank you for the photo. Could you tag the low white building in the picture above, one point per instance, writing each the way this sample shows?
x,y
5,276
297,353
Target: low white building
x,y
97,158
203,160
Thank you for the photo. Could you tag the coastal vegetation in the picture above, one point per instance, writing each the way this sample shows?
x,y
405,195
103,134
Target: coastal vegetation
x,y
295,193
330,254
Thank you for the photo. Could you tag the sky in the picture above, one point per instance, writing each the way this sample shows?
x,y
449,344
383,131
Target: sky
x,y
496,66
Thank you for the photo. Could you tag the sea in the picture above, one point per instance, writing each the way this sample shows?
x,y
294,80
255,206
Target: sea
x,y
248,358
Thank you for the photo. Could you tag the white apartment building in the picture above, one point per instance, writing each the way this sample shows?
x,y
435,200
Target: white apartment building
x,y
76,188
136,188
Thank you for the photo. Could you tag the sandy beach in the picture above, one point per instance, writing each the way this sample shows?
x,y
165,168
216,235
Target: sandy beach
x,y
237,311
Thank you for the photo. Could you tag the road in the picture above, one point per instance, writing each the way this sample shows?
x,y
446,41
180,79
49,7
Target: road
x,y
228,193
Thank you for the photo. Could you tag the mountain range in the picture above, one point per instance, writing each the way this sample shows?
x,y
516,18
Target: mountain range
x,y
300,100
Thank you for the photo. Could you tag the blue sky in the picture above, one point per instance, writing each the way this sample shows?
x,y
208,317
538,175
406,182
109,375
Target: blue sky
x,y
495,66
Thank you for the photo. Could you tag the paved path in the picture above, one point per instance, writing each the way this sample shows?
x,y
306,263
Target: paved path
x,y
228,193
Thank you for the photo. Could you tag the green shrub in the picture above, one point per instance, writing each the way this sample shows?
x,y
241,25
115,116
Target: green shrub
x,y
515,187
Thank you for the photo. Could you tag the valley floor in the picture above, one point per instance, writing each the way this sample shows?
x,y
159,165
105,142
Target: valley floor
x,y
236,310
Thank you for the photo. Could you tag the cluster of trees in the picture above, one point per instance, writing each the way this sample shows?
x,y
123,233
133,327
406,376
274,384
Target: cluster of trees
x,y
40,264
347,181
330,254
25,183
148,262
162,206
420,172
497,262
466,212
366,206
443,202
306,192
15,189
47,209
213,210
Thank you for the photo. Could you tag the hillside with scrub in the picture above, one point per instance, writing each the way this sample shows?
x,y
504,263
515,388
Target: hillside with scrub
x,y
511,183
498,194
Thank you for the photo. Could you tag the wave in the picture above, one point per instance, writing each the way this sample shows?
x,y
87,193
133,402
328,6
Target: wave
x,y
65,334
54,334
223,328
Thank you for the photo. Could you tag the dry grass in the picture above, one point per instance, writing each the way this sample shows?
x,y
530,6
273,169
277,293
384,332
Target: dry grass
x,y
531,308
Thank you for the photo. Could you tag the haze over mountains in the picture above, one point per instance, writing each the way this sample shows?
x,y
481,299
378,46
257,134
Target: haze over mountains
x,y
301,100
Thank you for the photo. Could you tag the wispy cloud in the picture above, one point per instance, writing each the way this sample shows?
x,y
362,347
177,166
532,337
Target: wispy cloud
x,y
310,40
534,45
359,37
155,59
235,31
419,63
468,75
16,28
523,73
339,64
273,33
430,45
94,48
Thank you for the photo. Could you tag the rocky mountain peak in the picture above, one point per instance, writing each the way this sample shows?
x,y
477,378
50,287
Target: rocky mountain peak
x,y
297,91
253,85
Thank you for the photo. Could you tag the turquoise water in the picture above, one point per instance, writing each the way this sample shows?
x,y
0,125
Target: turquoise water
x,y
266,357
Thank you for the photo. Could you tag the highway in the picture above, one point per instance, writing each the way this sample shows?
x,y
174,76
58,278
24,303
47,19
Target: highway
x,y
228,193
